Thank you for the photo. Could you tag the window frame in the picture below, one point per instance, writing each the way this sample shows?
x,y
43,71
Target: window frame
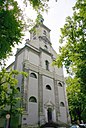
x,y
33,99
48,87
62,104
60,84
45,46
44,32
47,64
33,75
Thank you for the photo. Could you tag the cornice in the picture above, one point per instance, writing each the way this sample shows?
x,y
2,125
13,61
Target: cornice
x,y
46,51
12,64
45,27
28,46
32,47
40,70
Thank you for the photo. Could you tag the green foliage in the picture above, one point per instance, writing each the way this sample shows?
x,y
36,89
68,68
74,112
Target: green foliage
x,y
38,5
10,26
73,56
73,34
10,96
76,99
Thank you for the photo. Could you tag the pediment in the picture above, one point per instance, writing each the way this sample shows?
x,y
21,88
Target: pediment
x,y
49,104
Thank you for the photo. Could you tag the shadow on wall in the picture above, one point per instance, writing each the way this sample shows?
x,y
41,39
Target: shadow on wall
x,y
54,125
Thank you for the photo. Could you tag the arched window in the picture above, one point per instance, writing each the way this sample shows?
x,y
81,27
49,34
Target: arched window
x,y
47,65
32,99
33,75
48,87
46,47
60,84
49,114
44,32
62,104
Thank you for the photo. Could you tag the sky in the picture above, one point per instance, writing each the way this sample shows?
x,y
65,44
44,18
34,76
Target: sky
x,y
54,20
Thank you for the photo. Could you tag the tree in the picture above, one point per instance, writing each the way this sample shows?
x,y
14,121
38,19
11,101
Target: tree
x,y
10,96
73,52
73,34
76,100
12,25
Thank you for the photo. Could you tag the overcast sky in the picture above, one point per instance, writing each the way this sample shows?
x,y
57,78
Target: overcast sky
x,y
55,19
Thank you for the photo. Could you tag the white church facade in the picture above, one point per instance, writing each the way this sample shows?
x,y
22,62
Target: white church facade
x,y
43,91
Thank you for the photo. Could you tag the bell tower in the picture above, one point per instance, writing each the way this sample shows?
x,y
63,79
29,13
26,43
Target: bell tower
x,y
40,30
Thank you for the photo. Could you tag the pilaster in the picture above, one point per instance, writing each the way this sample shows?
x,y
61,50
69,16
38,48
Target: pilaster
x,y
56,99
24,91
40,98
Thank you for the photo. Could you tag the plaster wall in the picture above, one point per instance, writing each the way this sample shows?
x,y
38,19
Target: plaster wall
x,y
63,115
40,31
48,94
33,87
61,94
32,113
33,107
33,58
35,43
45,57
47,33
19,60
63,112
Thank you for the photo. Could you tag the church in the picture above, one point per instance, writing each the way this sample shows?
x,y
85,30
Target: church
x,y
43,91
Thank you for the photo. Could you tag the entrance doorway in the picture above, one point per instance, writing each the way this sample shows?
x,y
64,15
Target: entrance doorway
x,y
49,114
